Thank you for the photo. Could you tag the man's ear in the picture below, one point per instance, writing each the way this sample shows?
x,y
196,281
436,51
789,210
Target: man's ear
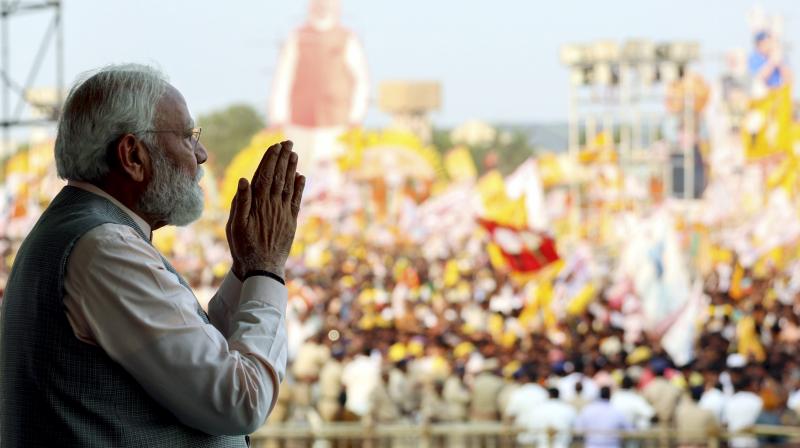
x,y
132,157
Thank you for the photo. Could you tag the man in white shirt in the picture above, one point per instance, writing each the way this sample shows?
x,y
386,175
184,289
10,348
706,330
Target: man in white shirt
x,y
525,398
634,406
741,412
794,401
713,398
360,376
104,344
566,386
548,424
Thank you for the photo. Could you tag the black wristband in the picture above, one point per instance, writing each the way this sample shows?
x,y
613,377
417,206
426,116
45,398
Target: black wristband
x,y
261,273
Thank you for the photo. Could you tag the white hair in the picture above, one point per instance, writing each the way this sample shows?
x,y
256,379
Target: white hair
x,y
101,107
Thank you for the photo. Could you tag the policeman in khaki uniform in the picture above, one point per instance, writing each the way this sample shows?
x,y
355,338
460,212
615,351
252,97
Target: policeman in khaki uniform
x,y
485,392
456,396
330,386
382,408
693,424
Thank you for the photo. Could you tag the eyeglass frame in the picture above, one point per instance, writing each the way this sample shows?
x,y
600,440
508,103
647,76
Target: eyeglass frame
x,y
197,130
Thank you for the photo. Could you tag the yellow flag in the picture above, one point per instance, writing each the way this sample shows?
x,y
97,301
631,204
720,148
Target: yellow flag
x,y
721,255
508,339
529,312
749,343
495,325
581,300
451,274
497,205
496,256
768,127
459,164
492,186
735,291
785,175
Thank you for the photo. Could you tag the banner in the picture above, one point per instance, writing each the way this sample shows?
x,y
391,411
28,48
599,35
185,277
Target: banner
x,y
523,250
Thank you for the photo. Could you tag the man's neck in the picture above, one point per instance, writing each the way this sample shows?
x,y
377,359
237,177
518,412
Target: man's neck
x,y
129,193
120,199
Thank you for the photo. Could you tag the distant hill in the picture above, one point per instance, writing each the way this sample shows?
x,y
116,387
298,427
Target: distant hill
x,y
542,136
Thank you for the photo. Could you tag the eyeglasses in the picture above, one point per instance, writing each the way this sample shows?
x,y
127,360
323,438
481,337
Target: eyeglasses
x,y
193,134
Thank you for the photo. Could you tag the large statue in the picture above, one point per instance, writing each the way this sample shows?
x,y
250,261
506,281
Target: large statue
x,y
321,86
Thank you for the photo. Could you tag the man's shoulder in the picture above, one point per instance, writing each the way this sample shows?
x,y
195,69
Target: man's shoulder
x,y
713,393
687,406
101,243
110,233
706,413
657,384
749,398
621,394
692,412
529,389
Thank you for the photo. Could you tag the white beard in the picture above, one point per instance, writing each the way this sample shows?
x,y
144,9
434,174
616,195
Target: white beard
x,y
172,195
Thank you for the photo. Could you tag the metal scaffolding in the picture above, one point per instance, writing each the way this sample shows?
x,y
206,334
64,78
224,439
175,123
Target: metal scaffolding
x,y
30,109
619,89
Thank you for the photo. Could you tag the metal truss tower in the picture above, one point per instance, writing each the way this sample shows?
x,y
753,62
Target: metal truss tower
x,y
20,104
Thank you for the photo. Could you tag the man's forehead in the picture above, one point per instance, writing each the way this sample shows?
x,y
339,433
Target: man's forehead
x,y
172,109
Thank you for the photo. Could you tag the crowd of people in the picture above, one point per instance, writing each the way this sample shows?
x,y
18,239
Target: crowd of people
x,y
378,335
651,320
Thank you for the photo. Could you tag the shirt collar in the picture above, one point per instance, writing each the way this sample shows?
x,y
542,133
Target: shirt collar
x,y
100,192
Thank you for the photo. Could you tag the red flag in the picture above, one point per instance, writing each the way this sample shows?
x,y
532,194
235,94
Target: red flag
x,y
523,249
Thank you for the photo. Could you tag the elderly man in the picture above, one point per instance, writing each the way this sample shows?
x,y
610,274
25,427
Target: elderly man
x,y
103,343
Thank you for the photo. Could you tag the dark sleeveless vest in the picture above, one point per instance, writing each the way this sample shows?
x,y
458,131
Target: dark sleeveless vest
x,y
54,389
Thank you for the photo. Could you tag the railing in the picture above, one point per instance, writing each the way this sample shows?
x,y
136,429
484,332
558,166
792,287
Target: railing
x,y
478,434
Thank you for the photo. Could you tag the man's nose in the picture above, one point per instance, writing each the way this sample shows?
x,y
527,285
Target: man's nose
x,y
200,153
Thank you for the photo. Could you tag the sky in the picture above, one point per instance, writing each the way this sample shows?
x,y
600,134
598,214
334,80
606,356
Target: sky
x,y
497,60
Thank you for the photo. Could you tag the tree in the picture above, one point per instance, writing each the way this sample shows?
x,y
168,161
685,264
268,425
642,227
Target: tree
x,y
227,131
511,147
